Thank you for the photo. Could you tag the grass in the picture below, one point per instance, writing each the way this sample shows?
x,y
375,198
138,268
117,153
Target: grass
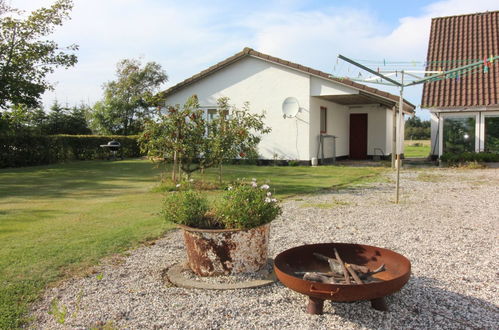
x,y
59,220
417,148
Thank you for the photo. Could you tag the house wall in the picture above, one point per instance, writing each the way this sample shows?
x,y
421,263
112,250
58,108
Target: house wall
x,y
338,123
265,86
320,87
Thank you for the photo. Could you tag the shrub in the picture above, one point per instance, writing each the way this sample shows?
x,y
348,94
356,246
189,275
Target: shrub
x,y
466,157
28,150
187,208
247,206
241,207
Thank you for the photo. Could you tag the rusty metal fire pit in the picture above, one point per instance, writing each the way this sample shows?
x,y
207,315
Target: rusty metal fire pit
x,y
290,263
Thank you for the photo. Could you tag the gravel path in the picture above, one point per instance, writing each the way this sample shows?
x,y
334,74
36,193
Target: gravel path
x,y
447,225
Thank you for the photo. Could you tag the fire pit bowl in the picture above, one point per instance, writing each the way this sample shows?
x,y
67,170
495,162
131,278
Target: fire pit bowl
x,y
289,264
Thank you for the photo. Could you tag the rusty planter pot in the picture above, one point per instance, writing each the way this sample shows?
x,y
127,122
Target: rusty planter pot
x,y
212,252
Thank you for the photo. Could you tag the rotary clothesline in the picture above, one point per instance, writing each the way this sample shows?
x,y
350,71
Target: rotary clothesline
x,y
413,76
387,77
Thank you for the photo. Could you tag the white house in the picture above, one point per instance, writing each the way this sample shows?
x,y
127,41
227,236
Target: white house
x,y
359,116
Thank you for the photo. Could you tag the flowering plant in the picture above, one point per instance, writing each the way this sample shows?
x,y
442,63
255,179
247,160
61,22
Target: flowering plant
x,y
242,206
248,206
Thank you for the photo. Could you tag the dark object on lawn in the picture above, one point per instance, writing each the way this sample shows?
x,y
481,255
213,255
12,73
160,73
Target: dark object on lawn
x,y
291,265
113,147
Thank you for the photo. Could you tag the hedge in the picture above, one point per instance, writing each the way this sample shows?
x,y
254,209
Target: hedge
x,y
466,157
29,150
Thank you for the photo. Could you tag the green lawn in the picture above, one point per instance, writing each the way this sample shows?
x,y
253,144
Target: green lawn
x,y
58,220
417,148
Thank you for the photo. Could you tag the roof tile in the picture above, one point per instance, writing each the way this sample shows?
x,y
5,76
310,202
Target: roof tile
x,y
460,40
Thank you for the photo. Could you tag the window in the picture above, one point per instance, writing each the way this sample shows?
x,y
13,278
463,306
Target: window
x,y
211,114
459,134
323,120
491,134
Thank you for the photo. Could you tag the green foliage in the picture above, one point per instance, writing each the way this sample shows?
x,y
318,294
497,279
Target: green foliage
x,y
178,135
64,120
247,206
466,157
26,58
186,207
58,312
20,119
28,150
185,135
130,99
417,129
233,133
241,207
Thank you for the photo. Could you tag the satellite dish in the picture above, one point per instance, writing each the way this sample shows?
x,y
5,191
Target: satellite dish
x,y
290,107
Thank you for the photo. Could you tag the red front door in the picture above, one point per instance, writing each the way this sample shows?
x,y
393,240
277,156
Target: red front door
x,y
358,136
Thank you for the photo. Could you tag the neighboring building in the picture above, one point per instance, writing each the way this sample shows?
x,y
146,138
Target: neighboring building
x,y
359,116
464,109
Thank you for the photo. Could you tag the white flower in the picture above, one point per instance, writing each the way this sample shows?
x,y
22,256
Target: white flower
x,y
178,185
230,188
273,200
269,194
265,187
191,180
254,185
267,200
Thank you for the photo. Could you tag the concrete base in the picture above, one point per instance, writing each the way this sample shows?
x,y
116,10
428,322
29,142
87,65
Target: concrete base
x,y
176,276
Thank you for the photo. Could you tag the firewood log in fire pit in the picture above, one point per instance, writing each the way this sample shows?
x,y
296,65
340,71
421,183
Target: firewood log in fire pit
x,y
341,272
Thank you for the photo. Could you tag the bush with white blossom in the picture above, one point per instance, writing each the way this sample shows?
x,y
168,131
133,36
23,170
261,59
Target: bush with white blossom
x,y
247,206
242,206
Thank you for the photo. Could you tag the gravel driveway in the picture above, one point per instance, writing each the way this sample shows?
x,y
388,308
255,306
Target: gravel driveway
x,y
446,224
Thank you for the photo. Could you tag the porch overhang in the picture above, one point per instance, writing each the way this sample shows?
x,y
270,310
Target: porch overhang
x,y
363,98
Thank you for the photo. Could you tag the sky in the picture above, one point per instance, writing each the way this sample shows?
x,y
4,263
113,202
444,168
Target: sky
x,y
188,36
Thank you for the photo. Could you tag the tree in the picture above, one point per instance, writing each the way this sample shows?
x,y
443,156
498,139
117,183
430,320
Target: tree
x,y
130,99
194,142
22,120
233,133
178,135
417,129
25,57
64,120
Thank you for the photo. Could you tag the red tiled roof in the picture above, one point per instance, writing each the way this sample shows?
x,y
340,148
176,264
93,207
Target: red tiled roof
x,y
251,52
456,41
